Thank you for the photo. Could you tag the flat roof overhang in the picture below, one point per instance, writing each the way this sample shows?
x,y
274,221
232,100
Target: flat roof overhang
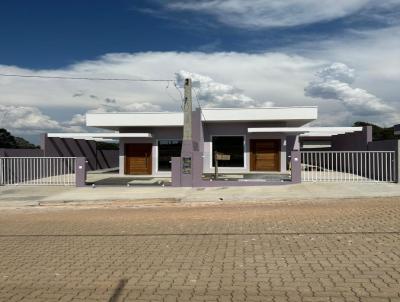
x,y
175,119
307,131
134,119
268,114
97,136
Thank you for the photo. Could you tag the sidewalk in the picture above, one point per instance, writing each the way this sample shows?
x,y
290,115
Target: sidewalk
x,y
15,196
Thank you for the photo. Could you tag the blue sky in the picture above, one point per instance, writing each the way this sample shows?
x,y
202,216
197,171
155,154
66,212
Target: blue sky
x,y
52,34
339,55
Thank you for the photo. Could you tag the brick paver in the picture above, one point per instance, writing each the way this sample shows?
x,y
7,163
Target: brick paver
x,y
345,250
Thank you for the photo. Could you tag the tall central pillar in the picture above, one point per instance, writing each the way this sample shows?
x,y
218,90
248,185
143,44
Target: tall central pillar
x,y
187,143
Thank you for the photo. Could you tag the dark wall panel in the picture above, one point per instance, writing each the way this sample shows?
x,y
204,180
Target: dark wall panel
x,y
21,153
68,147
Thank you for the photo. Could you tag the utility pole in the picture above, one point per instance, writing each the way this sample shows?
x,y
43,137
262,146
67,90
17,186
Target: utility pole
x,y
187,111
187,142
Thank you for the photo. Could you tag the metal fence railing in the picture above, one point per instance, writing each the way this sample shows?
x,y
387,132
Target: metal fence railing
x,y
37,171
348,166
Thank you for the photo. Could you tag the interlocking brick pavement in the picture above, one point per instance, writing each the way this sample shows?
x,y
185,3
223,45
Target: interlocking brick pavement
x,y
343,250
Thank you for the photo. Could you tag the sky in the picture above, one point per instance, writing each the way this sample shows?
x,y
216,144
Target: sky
x,y
342,56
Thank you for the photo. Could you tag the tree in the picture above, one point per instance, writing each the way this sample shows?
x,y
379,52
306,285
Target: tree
x,y
7,140
378,133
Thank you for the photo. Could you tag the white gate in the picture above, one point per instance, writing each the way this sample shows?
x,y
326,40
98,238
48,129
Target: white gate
x,y
37,171
348,166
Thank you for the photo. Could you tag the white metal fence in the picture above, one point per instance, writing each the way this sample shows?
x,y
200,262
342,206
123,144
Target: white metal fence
x,y
37,171
348,166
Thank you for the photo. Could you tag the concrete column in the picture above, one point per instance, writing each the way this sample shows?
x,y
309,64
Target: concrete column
x,y
187,111
176,171
186,177
80,172
43,143
296,166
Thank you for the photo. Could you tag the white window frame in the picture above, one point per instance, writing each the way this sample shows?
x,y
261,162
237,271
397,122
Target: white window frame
x,y
244,152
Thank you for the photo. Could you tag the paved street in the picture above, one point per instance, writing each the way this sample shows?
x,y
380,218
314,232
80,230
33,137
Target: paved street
x,y
344,250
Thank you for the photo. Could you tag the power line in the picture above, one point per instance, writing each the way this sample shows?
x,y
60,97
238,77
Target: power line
x,y
198,103
83,78
173,98
180,93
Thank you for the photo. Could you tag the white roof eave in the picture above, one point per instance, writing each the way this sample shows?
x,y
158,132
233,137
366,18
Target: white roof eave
x,y
307,131
94,135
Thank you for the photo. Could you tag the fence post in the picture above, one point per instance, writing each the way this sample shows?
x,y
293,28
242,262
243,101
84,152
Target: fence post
x,y
80,171
397,158
1,172
296,166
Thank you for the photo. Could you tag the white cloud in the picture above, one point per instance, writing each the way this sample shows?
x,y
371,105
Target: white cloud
x,y
227,79
257,14
112,106
333,83
260,77
215,94
77,120
22,118
19,117
31,120
374,54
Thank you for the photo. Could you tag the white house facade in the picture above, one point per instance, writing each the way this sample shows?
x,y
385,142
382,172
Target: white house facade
x,y
256,140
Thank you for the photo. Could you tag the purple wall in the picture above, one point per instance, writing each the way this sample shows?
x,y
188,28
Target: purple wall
x,y
68,147
356,141
21,152
386,145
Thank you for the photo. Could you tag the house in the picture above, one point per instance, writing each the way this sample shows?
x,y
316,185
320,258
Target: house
x,y
255,140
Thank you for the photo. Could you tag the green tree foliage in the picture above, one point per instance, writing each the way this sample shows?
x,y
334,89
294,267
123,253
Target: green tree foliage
x,y
7,140
378,133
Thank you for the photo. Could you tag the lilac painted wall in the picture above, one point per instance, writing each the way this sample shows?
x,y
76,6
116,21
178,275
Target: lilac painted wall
x,y
386,145
68,147
356,141
361,141
21,153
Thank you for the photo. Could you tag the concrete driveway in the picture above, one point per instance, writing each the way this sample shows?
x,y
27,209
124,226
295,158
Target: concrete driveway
x,y
23,196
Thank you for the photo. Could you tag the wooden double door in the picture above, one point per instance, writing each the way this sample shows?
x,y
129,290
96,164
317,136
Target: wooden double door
x,y
265,154
138,159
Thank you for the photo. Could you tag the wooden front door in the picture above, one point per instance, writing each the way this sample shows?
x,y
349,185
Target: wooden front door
x,y
138,159
265,154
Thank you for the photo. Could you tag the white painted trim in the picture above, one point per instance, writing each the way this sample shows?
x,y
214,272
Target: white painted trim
x,y
244,152
304,129
136,119
305,114
99,135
